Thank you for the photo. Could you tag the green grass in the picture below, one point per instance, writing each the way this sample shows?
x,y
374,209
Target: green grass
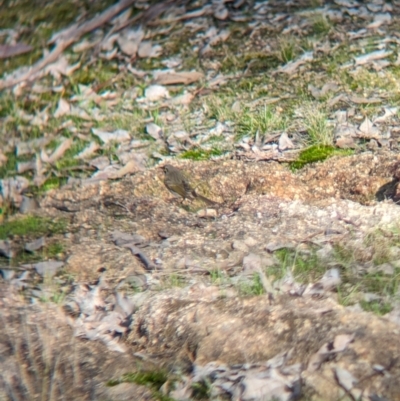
x,y
321,25
319,131
54,250
151,379
201,390
31,226
9,169
305,267
288,49
377,307
200,154
356,283
253,287
263,120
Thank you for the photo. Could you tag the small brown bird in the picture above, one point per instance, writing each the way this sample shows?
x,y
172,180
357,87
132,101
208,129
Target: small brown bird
x,y
178,185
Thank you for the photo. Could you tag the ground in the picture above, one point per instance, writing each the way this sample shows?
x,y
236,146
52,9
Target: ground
x,y
283,114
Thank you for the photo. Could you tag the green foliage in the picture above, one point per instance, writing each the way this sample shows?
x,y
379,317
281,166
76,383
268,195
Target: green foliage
x,y
378,307
321,25
263,121
174,280
305,266
201,390
368,281
52,183
154,378
31,225
200,154
151,379
9,168
317,153
254,287
319,130
287,49
54,249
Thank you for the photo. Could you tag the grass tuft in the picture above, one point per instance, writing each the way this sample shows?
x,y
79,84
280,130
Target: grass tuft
x,y
262,121
31,225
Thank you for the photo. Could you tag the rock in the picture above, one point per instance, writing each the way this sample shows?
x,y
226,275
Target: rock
x,y
386,268
251,264
250,242
240,246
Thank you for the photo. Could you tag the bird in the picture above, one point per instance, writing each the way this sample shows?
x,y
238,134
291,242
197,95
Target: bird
x,y
178,185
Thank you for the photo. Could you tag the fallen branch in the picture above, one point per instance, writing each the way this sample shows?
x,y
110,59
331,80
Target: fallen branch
x,y
67,37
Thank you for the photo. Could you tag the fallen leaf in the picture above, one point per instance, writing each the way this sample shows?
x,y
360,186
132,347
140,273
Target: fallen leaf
x,y
11,188
369,57
292,66
129,168
222,36
154,131
363,100
331,279
6,249
63,108
3,158
380,19
156,92
147,50
61,67
367,128
121,18
35,245
7,51
119,135
389,112
88,151
22,167
173,78
184,99
285,142
58,152
221,12
344,142
345,378
48,268
129,42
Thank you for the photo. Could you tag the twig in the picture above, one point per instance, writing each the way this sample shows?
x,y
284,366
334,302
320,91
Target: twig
x,y
148,264
66,41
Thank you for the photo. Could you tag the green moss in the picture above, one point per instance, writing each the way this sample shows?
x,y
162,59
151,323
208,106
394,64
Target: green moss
x,y
200,154
317,153
52,183
31,226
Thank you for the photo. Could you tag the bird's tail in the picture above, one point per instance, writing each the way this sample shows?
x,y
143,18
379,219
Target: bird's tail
x,y
204,199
